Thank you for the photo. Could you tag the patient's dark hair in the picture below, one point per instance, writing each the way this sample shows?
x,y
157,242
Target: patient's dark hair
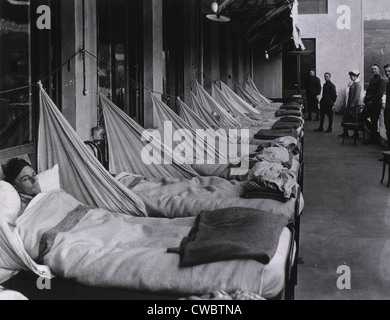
x,y
13,168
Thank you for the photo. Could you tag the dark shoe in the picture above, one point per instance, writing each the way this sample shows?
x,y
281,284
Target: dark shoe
x,y
319,130
329,130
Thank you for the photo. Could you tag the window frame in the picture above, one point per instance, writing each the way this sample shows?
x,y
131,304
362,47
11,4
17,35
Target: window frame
x,y
302,4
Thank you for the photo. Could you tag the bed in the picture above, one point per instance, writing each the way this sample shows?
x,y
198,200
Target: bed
x,y
78,255
112,251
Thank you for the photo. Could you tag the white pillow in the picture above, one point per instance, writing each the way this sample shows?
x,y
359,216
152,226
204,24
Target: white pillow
x,y
50,179
9,203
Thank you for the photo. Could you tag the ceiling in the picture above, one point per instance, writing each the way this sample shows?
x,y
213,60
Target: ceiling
x,y
259,20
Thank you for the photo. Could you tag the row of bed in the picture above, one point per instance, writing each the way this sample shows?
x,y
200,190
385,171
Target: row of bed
x,y
215,232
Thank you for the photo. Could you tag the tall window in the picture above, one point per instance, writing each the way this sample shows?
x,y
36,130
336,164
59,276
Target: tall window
x,y
120,54
15,72
313,6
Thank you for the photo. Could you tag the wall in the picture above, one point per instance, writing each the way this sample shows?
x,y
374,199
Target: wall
x,y
338,51
267,74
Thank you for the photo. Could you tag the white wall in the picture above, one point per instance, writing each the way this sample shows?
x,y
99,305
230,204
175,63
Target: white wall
x,y
338,51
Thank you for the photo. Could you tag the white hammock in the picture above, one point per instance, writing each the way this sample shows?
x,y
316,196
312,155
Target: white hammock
x,y
81,174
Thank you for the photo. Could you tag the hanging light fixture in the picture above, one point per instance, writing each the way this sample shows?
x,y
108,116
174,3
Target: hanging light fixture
x,y
215,6
217,15
266,55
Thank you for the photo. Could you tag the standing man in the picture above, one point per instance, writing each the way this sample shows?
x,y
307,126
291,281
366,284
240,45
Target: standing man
x,y
329,97
313,94
373,102
387,109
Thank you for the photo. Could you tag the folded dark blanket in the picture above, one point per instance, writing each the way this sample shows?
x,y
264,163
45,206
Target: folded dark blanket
x,y
282,113
291,106
264,195
274,134
285,125
253,190
232,233
291,119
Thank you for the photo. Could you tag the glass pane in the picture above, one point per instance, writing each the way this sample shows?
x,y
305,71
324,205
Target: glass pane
x,y
310,45
313,6
15,105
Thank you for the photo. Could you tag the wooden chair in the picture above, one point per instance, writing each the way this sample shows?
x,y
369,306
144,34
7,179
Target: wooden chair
x,y
386,162
358,124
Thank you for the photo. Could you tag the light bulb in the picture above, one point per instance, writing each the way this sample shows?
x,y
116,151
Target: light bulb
x,y
214,6
266,55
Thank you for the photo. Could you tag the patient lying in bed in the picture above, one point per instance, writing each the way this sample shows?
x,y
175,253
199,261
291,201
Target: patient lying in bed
x,y
105,249
23,177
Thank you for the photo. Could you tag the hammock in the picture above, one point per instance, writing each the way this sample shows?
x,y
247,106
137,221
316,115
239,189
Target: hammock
x,y
190,117
252,85
237,100
204,114
125,147
258,96
219,97
81,174
210,104
249,95
162,114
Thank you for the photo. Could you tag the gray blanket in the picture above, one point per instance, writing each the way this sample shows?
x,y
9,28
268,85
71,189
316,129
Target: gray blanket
x,y
233,233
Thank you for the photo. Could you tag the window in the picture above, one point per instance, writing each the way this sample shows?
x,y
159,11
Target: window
x,y
313,6
15,53
120,54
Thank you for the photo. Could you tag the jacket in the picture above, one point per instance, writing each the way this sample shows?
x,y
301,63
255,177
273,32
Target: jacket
x,y
329,95
375,91
313,86
354,96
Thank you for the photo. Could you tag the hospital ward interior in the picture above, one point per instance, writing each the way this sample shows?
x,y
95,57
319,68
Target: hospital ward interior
x,y
170,144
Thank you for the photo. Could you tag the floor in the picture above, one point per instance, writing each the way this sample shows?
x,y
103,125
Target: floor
x,y
346,221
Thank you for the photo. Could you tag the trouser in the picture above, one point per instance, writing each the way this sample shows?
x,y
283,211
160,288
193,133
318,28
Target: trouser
x,y
374,113
312,106
326,111
387,126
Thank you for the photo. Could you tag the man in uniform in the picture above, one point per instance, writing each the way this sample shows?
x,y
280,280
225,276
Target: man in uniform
x,y
373,102
329,97
313,92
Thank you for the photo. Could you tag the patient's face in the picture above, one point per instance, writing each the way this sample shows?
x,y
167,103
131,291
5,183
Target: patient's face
x,y
27,182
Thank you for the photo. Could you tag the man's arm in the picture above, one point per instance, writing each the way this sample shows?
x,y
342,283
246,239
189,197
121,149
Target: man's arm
x,y
319,88
381,88
333,93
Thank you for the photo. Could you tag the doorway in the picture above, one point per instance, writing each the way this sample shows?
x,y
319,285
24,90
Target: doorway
x,y
296,67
